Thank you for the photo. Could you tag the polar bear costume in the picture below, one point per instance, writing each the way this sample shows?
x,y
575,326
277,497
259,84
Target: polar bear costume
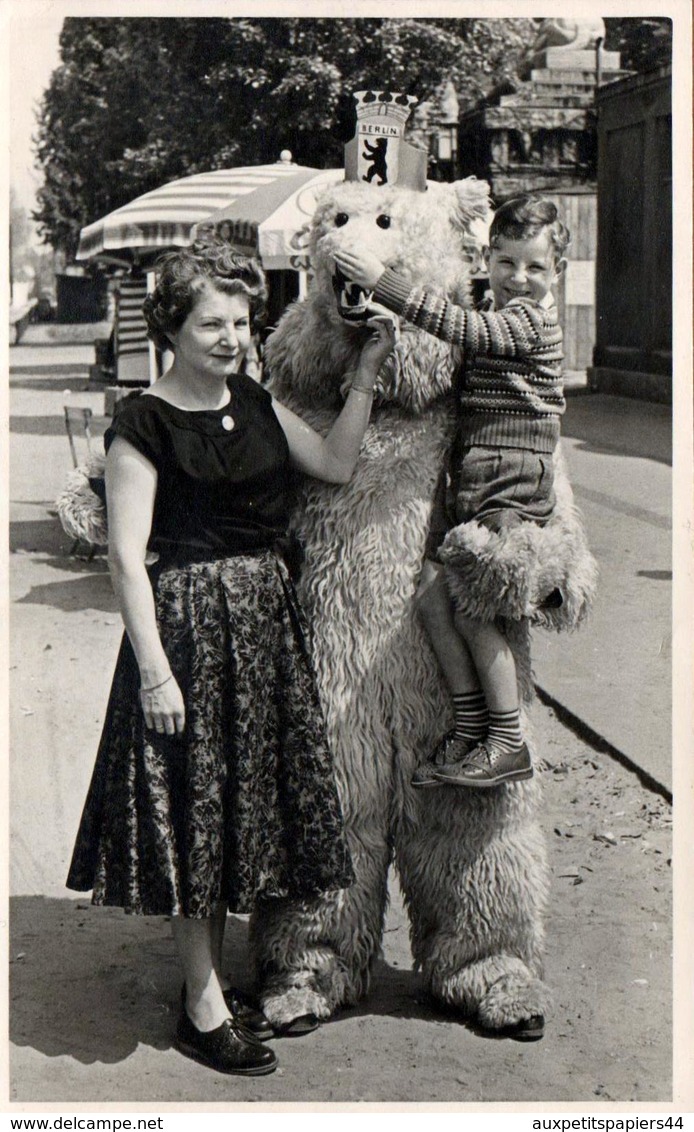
x,y
471,864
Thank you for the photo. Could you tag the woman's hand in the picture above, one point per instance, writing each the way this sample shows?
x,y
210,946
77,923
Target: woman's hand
x,y
333,458
163,708
380,343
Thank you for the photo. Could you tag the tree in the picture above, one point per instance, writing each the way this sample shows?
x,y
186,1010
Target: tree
x,y
138,102
643,42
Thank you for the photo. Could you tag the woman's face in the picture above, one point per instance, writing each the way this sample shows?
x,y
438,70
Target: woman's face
x,y
216,335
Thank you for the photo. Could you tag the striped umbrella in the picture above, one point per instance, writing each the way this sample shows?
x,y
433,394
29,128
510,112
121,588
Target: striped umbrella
x,y
263,209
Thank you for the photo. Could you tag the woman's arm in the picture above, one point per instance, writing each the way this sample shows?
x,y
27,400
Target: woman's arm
x,y
334,457
131,482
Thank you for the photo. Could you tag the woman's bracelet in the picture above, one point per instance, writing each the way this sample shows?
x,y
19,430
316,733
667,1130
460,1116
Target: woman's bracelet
x,y
360,389
161,685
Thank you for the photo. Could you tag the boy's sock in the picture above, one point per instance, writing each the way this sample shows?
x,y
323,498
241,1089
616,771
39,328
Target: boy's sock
x,y
505,730
471,716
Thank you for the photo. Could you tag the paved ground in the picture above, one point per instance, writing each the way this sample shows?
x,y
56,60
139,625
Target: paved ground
x,y
614,675
93,993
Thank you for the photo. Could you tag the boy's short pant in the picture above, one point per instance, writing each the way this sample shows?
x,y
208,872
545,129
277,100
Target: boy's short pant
x,y
499,487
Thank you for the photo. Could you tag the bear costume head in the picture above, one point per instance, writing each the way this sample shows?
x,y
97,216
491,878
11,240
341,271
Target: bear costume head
x,y
430,232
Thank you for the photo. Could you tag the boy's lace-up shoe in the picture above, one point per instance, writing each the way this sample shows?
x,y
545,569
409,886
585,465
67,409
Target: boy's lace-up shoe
x,y
449,751
488,765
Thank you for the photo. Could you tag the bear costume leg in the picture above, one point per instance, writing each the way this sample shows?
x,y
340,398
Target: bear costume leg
x,y
475,878
383,697
313,956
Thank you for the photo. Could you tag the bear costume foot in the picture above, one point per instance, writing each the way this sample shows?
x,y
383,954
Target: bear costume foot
x,y
545,574
513,1004
294,994
296,1002
500,993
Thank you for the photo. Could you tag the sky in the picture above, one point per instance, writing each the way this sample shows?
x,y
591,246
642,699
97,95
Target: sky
x,y
33,48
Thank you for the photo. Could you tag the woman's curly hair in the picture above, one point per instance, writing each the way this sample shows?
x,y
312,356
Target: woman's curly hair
x,y
181,276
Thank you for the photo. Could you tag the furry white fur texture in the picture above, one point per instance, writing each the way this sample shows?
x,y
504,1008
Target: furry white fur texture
x,y
80,510
471,864
511,574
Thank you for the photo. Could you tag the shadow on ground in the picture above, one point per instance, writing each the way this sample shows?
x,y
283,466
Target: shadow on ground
x,y
93,984
621,426
71,378
43,426
73,369
89,983
91,592
39,536
89,587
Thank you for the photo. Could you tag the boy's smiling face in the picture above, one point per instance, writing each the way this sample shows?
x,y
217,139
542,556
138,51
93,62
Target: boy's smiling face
x,y
525,268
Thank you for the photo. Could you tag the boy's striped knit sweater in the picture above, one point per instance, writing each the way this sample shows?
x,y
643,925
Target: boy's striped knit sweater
x,y
511,395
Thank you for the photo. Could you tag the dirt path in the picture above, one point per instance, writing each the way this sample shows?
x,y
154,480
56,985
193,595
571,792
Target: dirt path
x,y
93,992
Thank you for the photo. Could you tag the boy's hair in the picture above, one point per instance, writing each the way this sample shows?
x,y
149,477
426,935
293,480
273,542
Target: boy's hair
x,y
524,217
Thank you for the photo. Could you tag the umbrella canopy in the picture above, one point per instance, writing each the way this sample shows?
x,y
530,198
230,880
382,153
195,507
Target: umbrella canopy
x,y
263,209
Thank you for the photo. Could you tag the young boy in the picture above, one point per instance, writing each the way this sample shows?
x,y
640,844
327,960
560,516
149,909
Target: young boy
x,y
500,471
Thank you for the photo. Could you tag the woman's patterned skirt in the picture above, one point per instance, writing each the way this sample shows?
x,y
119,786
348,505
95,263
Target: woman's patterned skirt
x,y
242,805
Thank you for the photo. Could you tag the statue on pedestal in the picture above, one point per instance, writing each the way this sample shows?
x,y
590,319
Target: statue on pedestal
x,y
572,35
562,43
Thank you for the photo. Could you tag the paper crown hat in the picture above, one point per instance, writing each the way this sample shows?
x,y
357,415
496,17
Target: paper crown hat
x,y
378,154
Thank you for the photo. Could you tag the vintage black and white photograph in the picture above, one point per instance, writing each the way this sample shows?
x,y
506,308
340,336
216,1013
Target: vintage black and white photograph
x,y
342,752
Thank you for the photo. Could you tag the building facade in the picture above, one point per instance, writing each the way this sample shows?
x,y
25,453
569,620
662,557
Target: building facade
x,y
541,136
633,348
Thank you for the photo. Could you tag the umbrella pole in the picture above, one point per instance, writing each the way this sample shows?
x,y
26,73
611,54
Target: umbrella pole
x,y
153,363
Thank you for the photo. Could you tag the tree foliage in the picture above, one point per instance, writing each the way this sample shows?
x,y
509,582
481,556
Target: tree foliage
x,y
643,42
138,102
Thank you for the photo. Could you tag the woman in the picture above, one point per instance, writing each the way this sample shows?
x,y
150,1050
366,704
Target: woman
x,y
213,783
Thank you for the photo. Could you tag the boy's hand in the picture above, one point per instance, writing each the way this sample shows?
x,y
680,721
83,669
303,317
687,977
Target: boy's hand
x,y
361,267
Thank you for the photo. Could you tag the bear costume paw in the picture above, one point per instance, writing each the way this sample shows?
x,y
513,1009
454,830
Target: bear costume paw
x,y
512,999
512,574
297,993
81,510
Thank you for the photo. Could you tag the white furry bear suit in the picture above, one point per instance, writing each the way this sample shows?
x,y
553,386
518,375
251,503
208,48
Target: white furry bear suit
x,y
471,863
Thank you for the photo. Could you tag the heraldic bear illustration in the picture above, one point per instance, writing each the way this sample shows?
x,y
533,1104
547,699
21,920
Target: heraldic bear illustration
x,y
471,864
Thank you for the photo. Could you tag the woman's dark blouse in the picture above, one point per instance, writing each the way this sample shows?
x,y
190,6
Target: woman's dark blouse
x,y
219,490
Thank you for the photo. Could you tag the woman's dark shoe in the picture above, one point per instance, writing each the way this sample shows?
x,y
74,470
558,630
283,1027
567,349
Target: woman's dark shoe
x,y
225,1048
234,999
245,1010
304,1024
